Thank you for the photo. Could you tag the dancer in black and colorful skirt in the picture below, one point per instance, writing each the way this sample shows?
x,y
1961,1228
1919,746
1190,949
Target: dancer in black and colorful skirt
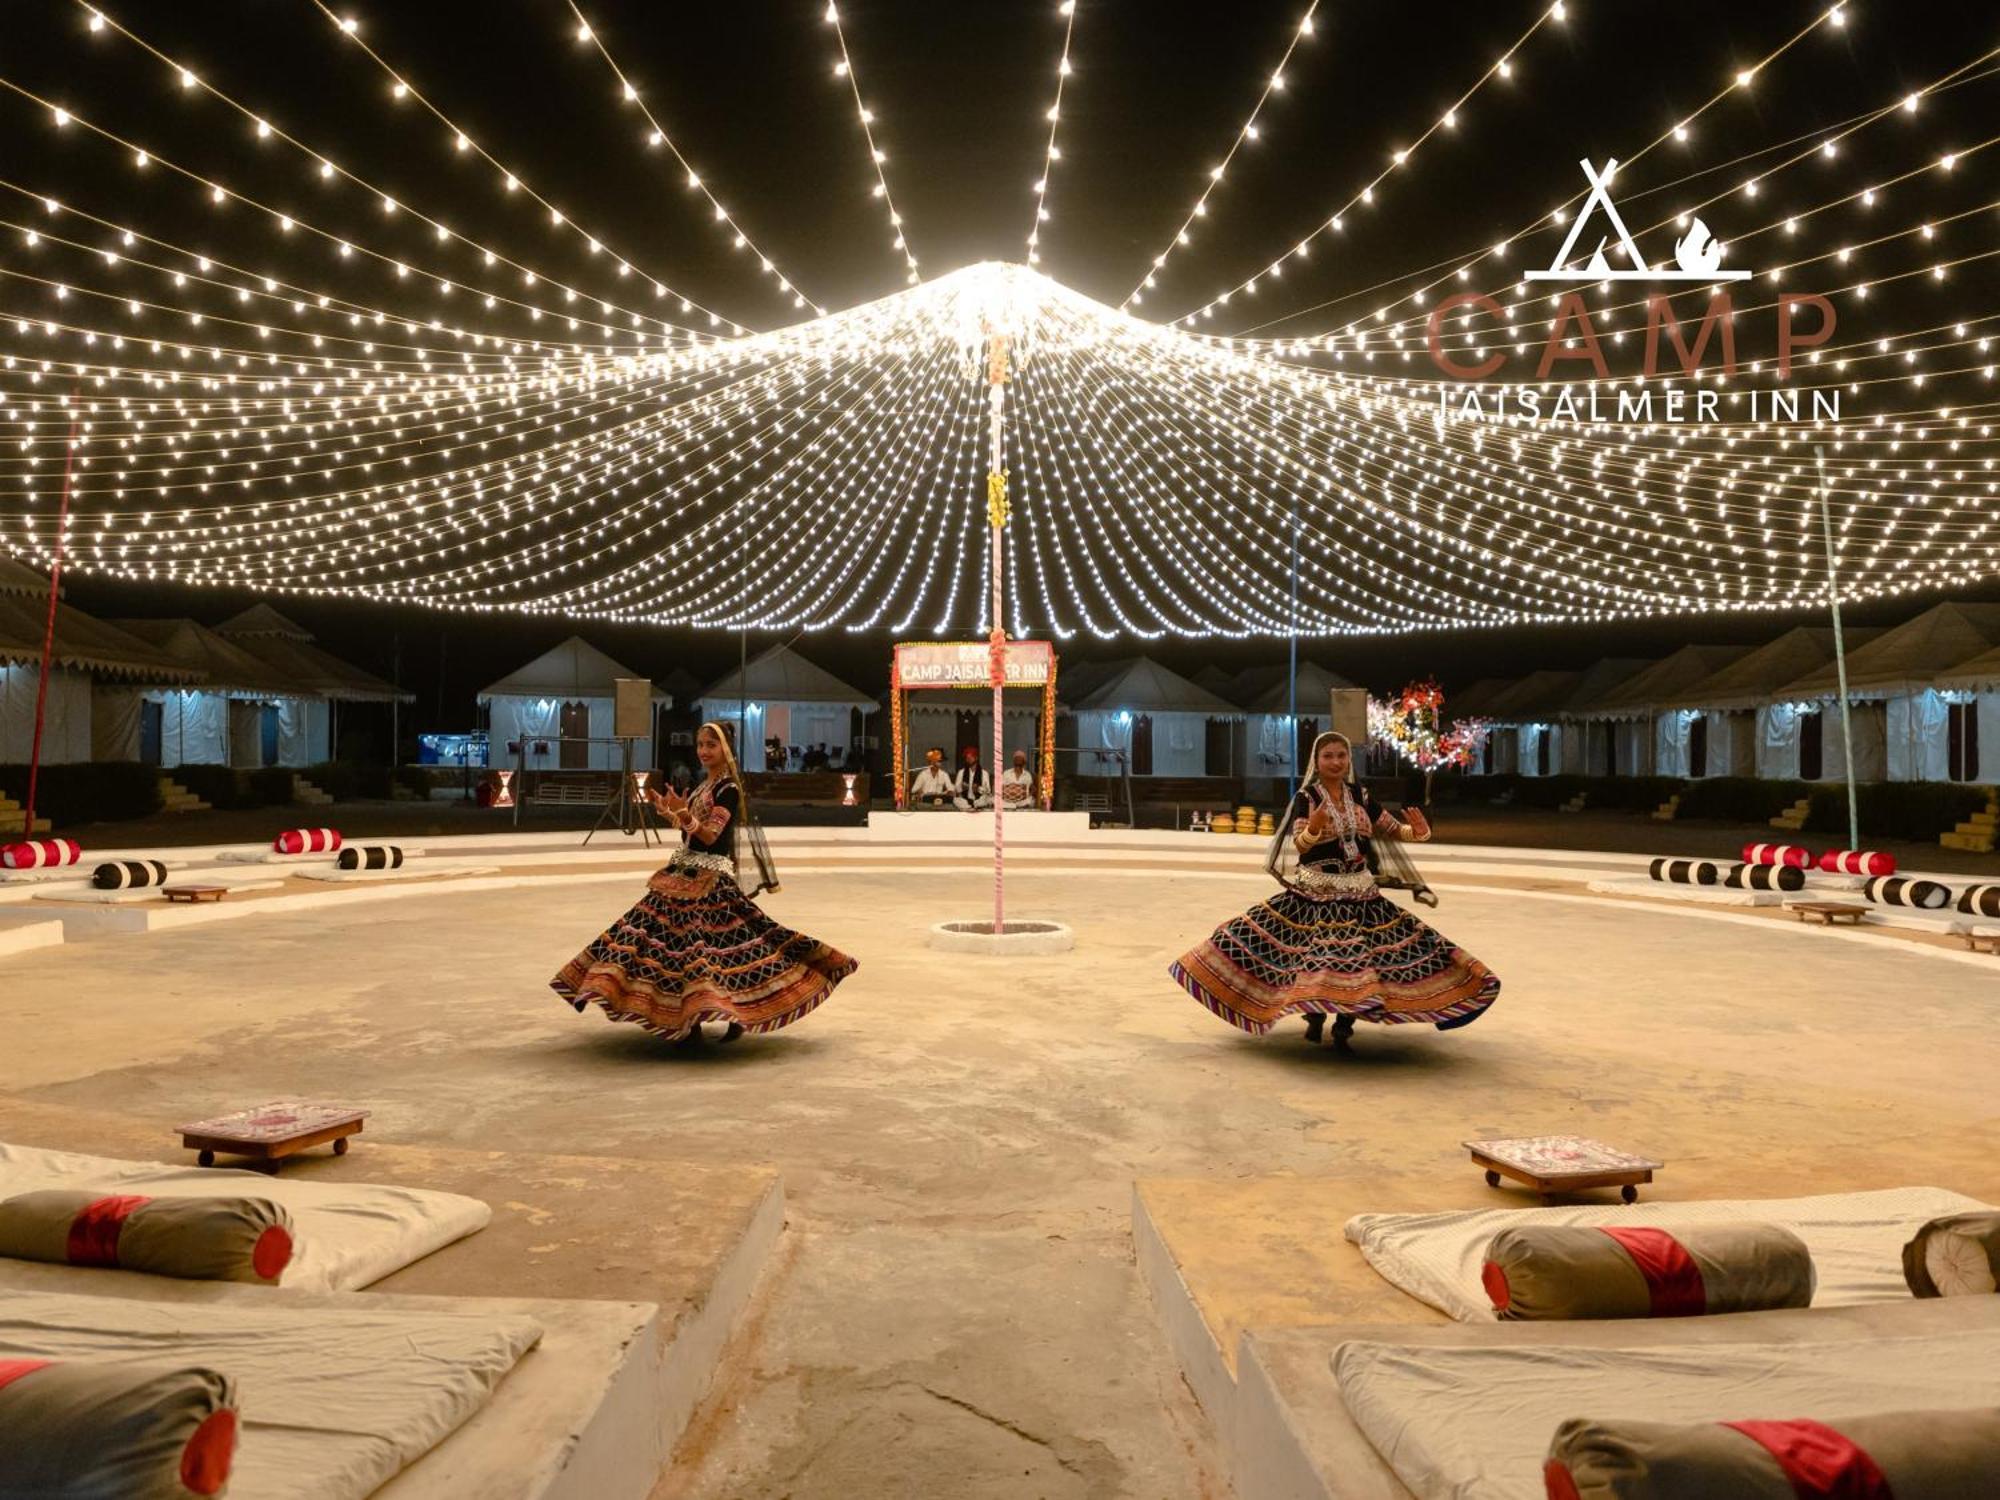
x,y
697,947
1330,943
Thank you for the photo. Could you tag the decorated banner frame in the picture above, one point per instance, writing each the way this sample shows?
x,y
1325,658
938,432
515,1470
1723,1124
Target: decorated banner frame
x,y
920,665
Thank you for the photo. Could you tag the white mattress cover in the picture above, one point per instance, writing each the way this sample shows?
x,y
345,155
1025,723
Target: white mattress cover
x,y
433,870
334,1403
1856,1240
347,1234
1459,1422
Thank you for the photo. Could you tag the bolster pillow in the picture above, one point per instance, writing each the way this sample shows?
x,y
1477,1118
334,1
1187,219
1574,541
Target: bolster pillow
x,y
1792,856
1979,900
1894,890
371,857
87,1430
1767,877
307,841
1907,1455
199,1239
39,854
1857,862
1686,871
126,874
1956,1256
1548,1272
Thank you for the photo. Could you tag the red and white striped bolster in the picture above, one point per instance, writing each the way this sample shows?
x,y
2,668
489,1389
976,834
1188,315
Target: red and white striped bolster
x,y
1857,862
307,841
40,854
1792,855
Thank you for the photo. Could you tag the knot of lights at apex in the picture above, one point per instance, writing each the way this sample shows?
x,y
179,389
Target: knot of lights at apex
x,y
472,430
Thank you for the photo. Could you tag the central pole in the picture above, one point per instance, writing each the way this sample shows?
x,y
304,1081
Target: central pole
x,y
996,515
1839,655
49,631
1292,636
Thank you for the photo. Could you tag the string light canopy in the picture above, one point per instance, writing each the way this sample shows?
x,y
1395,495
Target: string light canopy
x,y
411,415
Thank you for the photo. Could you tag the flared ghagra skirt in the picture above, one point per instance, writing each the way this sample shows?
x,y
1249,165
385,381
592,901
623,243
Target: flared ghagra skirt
x,y
1343,955
697,949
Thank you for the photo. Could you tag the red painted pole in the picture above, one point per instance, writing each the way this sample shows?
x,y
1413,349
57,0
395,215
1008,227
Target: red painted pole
x,y
49,631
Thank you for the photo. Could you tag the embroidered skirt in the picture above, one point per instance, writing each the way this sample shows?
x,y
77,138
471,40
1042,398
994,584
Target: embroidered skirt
x,y
697,949
1347,954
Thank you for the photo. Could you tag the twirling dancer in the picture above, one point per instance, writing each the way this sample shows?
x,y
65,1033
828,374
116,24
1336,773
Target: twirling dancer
x,y
697,947
1330,942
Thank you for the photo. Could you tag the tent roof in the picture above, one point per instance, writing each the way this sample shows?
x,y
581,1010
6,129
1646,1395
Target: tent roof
x,y
82,642
16,577
1217,681
781,675
1539,695
1910,657
1142,685
1754,677
261,619
1477,699
572,669
1262,690
312,673
1647,689
222,665
1982,671
1604,678
681,685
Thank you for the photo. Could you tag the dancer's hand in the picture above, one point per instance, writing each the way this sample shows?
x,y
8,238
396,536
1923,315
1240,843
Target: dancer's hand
x,y
1420,827
1317,820
670,802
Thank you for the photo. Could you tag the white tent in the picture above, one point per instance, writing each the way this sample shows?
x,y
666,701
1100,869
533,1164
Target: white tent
x,y
784,697
1156,716
558,709
1971,692
1653,734
244,713
88,656
1901,719
1263,742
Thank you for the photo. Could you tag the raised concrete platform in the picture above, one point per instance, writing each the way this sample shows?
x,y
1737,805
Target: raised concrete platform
x,y
1294,1438
645,1267
23,932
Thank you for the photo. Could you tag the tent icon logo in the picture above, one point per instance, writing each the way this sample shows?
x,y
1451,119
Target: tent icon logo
x,y
1697,256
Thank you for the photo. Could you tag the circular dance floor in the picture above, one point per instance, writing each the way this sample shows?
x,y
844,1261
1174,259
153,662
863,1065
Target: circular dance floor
x,y
955,1309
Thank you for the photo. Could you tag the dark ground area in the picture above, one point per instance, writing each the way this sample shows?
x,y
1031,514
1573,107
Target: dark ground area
x,y
1616,832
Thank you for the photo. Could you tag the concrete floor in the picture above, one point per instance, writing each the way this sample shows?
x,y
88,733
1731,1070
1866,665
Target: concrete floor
x,y
955,1310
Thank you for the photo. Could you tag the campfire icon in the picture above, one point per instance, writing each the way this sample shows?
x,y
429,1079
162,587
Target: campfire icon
x,y
1697,256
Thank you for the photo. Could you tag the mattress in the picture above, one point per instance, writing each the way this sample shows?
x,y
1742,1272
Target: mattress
x,y
334,1402
1466,1422
348,1234
430,870
1856,1240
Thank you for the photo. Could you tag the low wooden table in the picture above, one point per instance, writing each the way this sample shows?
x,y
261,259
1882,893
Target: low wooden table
x,y
1552,1164
193,894
1828,912
1982,939
271,1132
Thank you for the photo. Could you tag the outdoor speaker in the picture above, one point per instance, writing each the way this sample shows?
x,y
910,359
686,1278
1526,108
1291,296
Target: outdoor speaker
x,y
1350,716
632,708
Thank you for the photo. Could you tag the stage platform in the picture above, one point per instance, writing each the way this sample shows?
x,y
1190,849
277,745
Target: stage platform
x,y
637,1270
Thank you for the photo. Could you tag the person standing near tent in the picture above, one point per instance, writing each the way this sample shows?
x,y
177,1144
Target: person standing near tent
x,y
697,947
1330,942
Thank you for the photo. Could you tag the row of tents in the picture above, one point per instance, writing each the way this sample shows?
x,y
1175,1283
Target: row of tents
x,y
1165,724
253,691
1923,704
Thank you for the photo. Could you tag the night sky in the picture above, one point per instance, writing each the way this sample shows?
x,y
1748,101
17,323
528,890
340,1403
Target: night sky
x,y
959,89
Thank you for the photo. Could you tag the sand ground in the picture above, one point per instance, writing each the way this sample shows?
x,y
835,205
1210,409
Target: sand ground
x,y
954,1310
